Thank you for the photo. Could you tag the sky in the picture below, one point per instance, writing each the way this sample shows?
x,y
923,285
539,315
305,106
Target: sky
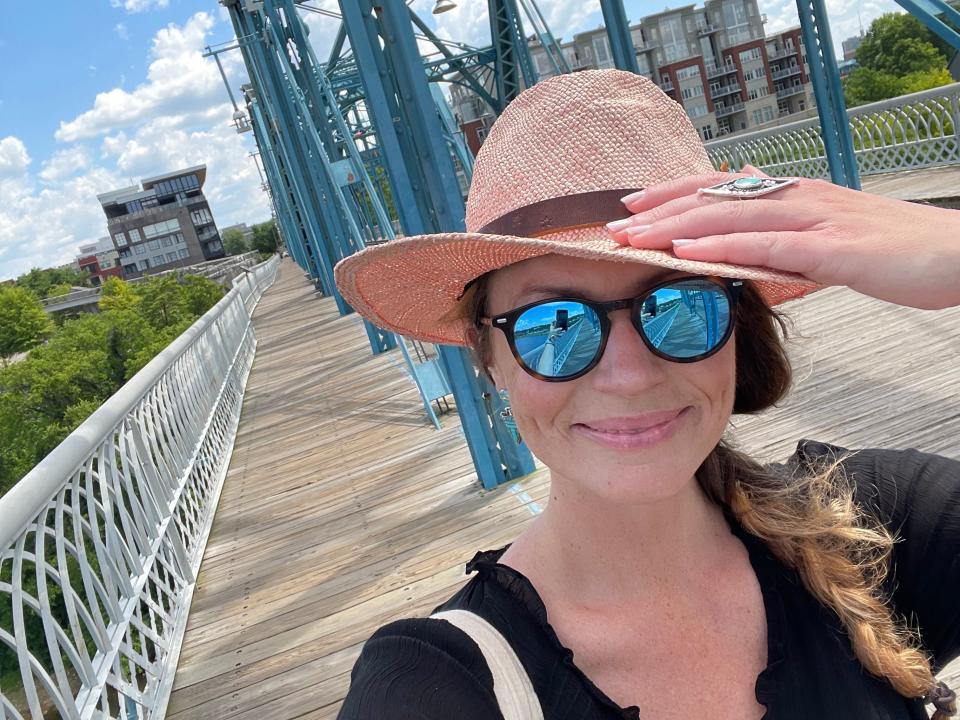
x,y
98,94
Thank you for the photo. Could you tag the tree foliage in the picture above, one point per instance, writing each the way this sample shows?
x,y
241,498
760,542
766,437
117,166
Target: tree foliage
x,y
898,43
234,243
40,282
898,55
265,238
23,322
44,397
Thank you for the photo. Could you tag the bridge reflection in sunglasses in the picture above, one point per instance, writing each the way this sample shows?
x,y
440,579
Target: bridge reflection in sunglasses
x,y
557,338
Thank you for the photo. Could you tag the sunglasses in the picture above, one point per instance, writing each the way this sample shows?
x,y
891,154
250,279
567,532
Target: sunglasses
x,y
681,320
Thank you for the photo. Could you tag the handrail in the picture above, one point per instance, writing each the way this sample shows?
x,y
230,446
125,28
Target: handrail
x,y
912,131
101,541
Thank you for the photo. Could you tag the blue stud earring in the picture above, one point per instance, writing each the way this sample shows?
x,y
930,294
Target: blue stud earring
x,y
506,414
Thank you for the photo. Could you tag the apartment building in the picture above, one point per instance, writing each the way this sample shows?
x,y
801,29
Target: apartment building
x,y
714,60
100,259
163,223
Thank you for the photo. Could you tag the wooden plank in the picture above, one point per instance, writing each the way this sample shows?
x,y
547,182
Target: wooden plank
x,y
344,509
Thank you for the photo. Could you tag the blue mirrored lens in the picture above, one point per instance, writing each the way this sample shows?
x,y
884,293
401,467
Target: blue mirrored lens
x,y
686,319
557,338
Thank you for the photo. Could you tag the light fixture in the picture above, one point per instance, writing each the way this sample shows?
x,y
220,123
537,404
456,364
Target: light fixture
x,y
442,6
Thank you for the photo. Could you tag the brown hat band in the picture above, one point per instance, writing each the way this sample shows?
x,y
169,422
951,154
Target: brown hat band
x,y
561,213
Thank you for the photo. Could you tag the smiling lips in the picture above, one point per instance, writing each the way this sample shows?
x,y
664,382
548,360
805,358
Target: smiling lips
x,y
630,433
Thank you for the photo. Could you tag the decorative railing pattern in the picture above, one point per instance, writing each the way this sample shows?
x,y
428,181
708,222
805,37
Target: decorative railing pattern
x,y
100,543
904,133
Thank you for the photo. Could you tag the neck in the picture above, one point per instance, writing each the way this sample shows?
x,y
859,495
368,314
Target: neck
x,y
608,551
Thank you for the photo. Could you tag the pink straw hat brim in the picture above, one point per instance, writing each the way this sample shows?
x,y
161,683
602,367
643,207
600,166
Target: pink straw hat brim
x,y
413,285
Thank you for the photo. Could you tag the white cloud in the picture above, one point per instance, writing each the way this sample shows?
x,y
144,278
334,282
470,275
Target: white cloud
x,y
121,30
179,116
65,163
136,6
179,82
13,157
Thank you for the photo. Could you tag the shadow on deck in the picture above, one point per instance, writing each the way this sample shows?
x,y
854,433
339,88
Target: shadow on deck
x,y
343,508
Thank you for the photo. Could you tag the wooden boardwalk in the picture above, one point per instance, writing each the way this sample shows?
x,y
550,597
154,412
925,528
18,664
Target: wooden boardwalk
x,y
343,508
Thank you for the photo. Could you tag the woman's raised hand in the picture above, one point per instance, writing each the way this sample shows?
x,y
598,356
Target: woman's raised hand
x,y
893,250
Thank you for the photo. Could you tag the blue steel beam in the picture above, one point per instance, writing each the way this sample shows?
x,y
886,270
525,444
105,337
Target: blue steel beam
x,y
428,198
514,66
926,11
547,40
270,88
618,30
831,106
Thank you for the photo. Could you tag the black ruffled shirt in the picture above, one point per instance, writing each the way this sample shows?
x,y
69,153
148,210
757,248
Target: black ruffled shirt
x,y
428,669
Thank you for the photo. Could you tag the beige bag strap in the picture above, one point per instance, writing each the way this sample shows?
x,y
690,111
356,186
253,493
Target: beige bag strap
x,y
511,684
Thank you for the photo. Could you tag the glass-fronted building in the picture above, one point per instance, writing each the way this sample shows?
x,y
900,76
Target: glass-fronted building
x,y
163,223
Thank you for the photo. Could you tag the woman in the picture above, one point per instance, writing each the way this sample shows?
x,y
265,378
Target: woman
x,y
669,576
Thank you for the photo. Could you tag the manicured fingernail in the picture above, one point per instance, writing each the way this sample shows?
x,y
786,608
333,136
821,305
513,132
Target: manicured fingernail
x,y
618,225
637,230
683,242
632,196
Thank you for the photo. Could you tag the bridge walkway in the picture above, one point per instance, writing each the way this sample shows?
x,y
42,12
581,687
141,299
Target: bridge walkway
x,y
343,508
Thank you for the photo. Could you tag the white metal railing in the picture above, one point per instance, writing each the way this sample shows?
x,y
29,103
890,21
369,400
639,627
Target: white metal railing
x,y
101,541
903,133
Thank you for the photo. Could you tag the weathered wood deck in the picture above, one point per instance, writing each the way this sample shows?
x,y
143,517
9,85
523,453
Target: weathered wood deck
x,y
343,508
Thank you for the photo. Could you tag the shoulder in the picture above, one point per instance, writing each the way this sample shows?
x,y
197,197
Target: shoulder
x,y
420,668
916,495
896,486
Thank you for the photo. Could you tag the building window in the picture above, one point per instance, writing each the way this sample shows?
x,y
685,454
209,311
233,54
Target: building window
x,y
688,72
125,253
161,228
692,92
120,239
143,265
167,241
674,39
481,134
767,113
201,217
134,235
140,249
172,257
601,50
707,132
154,244
751,54
184,253
697,110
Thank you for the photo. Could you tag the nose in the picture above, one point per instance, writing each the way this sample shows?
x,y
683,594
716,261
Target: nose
x,y
627,366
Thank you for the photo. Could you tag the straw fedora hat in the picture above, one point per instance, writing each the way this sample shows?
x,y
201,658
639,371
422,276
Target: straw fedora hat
x,y
549,177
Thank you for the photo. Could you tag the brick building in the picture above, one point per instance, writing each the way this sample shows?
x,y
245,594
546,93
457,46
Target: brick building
x,y
715,60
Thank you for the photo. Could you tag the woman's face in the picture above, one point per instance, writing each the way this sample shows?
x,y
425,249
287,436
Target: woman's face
x,y
636,427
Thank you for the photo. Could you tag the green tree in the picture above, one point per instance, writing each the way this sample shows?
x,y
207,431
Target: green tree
x,y
898,43
59,289
234,243
23,322
865,85
924,80
200,294
265,237
161,301
40,282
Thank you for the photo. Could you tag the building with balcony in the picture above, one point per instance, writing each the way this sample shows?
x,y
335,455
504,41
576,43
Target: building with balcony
x,y
163,223
714,60
100,259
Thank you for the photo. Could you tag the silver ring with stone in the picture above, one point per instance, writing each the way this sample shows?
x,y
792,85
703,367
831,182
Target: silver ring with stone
x,y
747,187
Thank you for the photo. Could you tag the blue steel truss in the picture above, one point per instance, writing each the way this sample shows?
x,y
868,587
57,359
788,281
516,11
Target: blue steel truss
x,y
336,139
423,179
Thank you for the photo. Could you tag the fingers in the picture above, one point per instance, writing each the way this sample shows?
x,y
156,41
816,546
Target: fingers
x,y
664,192
789,251
715,216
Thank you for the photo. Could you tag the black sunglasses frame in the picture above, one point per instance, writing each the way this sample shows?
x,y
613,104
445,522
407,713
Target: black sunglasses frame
x,y
505,322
